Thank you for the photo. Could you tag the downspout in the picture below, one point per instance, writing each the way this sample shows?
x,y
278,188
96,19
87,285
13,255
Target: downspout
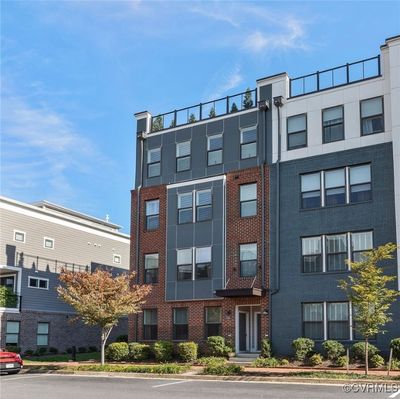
x,y
263,210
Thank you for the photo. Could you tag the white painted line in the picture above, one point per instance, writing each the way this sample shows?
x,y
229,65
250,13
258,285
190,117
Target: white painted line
x,y
21,377
170,383
394,394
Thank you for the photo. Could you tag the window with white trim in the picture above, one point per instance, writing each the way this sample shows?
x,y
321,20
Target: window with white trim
x,y
360,183
184,261
214,149
152,214
185,208
372,118
336,252
19,236
203,263
360,243
335,187
48,242
117,259
151,268
296,131
154,162
248,143
183,155
311,190
248,260
42,337
203,205
313,320
338,320
248,200
37,282
312,254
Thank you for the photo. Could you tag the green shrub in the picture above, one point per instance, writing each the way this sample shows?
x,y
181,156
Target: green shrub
x,y
395,345
53,350
395,365
210,360
187,351
166,368
315,359
341,361
357,351
13,348
163,350
376,361
92,349
223,369
138,352
284,362
303,348
265,348
7,297
82,349
41,351
29,352
122,338
333,349
266,362
117,351
217,347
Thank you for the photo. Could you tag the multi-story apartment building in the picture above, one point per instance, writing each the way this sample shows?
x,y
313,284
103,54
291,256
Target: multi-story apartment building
x,y
37,242
245,208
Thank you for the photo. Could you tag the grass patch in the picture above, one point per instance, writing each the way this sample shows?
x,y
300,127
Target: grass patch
x,y
223,369
166,368
80,357
338,376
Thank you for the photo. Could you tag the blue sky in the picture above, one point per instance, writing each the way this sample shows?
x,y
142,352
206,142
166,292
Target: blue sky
x,y
74,73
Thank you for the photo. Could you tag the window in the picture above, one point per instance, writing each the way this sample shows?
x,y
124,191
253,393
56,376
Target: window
x,y
203,263
214,150
181,328
152,214
48,243
296,131
12,333
203,205
213,321
336,252
185,208
311,190
183,156
313,320
312,254
360,242
8,281
151,268
372,116
36,282
360,183
248,143
117,259
338,320
150,324
19,236
184,264
248,200
248,260
333,124
42,338
153,162
335,187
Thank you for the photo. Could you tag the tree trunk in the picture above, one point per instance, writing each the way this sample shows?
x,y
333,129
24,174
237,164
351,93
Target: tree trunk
x,y
105,333
366,356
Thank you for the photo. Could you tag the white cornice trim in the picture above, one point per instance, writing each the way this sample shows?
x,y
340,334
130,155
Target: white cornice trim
x,y
193,182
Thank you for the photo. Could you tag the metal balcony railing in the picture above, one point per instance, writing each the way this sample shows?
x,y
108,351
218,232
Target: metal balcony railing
x,y
334,77
203,111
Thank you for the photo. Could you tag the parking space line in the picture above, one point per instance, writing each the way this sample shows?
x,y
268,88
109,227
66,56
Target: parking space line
x,y
170,383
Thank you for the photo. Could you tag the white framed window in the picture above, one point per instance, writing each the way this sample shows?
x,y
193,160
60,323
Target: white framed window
x,y
203,263
203,205
183,155
372,118
117,259
19,236
48,242
42,336
184,260
185,207
214,149
248,260
154,162
248,143
151,268
248,200
38,282
152,214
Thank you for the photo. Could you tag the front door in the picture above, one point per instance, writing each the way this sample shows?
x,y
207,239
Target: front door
x,y
242,331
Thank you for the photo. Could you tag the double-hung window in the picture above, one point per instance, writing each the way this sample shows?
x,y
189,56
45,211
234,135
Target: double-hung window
x,y
311,190
153,162
213,319
338,320
152,214
42,337
185,208
360,183
313,320
372,119
181,326
36,282
203,263
360,242
248,143
214,149
12,333
248,260
297,131
184,262
248,200
203,205
312,254
150,324
336,252
335,187
151,268
333,124
183,151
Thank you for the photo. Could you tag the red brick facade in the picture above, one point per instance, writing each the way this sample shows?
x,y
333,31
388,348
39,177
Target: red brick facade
x,y
239,231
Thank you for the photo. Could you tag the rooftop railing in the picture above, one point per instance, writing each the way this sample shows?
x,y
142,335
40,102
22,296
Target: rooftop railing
x,y
335,77
203,111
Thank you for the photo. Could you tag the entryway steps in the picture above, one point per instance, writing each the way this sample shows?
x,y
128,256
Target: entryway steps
x,y
244,358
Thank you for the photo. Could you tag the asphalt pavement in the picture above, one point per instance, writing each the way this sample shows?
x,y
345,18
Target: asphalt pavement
x,y
52,386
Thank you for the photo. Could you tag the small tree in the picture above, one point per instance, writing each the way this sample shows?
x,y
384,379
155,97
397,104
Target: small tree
x,y
248,100
212,113
101,299
234,108
192,118
157,124
367,290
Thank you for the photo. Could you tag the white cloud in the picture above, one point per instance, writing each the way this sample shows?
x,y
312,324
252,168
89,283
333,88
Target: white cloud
x,y
227,81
